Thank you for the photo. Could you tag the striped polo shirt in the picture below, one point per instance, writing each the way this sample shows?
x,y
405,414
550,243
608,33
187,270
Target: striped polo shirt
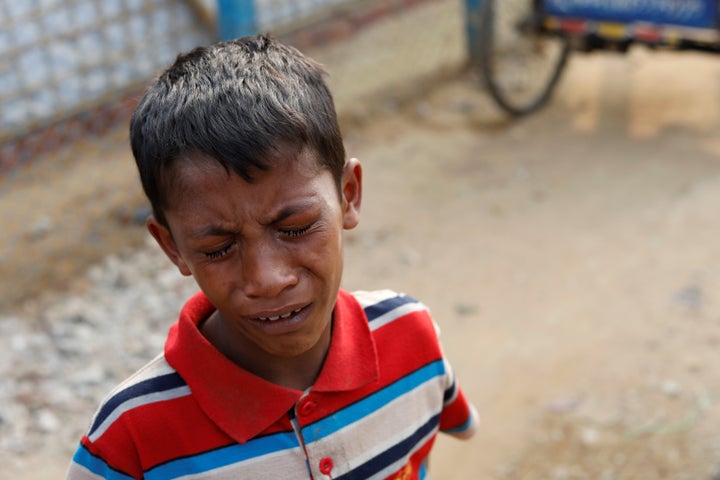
x,y
384,392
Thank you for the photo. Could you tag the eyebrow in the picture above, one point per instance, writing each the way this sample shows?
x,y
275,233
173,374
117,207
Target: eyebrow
x,y
211,231
288,211
292,209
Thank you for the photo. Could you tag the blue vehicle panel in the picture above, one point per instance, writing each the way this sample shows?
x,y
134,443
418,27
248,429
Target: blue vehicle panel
x,y
688,13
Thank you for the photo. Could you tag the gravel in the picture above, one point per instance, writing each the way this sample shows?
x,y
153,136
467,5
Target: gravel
x,y
59,356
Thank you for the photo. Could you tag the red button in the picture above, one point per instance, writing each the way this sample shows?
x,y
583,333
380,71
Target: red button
x,y
307,407
326,465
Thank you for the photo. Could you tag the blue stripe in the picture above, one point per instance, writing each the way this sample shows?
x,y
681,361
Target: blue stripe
x,y
96,465
422,474
224,456
152,385
361,409
396,452
376,310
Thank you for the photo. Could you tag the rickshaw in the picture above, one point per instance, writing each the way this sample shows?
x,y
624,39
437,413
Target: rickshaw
x,y
522,46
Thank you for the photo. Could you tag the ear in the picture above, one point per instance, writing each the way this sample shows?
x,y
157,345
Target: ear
x,y
164,238
351,190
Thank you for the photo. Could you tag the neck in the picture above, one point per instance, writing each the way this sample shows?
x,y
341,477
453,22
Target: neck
x,y
297,372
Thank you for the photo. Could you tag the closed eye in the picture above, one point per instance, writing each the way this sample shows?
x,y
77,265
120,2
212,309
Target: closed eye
x,y
218,253
296,232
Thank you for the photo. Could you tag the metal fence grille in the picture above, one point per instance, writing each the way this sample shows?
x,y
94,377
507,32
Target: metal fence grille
x,y
271,13
71,68
61,57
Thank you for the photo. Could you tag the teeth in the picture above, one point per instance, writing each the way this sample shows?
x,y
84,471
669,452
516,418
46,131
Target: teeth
x,y
287,315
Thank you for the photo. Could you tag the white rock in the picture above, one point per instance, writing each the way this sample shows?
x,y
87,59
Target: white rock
x,y
92,374
589,436
46,421
18,342
670,388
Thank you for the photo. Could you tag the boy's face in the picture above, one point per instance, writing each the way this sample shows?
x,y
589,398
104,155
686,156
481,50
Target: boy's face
x,y
267,254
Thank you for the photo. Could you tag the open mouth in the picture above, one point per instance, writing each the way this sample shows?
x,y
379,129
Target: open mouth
x,y
283,323
280,317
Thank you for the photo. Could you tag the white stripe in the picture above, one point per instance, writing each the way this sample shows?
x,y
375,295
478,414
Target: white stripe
x,y
396,313
79,472
367,298
281,464
137,402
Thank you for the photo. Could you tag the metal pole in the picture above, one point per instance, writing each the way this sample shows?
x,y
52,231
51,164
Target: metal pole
x,y
473,9
236,18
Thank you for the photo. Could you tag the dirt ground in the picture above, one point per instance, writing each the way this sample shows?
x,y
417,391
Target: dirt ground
x,y
570,258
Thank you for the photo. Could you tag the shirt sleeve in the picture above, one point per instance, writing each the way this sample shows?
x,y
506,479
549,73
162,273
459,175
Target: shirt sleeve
x,y
459,417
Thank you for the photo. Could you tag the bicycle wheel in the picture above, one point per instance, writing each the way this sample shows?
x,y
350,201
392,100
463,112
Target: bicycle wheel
x,y
520,66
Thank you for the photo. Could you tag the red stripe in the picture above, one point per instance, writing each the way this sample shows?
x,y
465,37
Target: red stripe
x,y
647,34
571,25
169,416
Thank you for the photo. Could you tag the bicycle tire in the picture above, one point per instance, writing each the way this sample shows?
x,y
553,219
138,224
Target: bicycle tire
x,y
518,42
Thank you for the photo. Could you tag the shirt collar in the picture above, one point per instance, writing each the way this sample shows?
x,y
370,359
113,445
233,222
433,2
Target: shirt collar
x,y
351,361
244,405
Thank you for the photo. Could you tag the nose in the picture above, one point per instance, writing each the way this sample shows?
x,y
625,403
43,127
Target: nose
x,y
267,270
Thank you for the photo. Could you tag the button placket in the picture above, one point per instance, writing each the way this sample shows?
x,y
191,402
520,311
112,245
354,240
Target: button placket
x,y
305,408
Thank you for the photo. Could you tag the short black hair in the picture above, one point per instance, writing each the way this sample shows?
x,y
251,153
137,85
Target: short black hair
x,y
234,102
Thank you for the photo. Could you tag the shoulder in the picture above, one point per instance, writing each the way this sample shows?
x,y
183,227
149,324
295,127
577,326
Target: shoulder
x,y
382,298
157,381
383,307
137,408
